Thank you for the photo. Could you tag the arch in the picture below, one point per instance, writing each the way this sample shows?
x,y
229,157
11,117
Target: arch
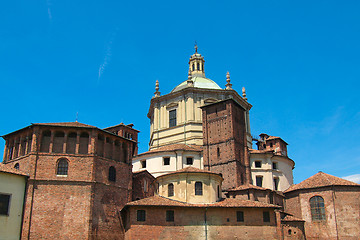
x,y
17,166
100,145
45,141
170,190
58,142
71,143
193,66
23,147
198,66
317,207
112,174
84,143
117,151
198,188
29,143
108,147
62,167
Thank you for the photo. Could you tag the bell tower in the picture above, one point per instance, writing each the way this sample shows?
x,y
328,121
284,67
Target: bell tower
x,y
196,64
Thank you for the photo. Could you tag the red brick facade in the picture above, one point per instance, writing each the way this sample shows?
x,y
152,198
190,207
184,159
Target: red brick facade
x,y
224,148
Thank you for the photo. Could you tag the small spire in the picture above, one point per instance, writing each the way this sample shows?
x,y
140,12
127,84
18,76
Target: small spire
x,y
228,84
190,82
77,116
244,94
196,47
157,93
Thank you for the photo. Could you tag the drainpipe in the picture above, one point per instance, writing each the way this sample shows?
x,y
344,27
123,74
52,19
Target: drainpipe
x,y
205,222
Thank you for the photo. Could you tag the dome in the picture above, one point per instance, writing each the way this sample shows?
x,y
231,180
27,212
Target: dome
x,y
199,82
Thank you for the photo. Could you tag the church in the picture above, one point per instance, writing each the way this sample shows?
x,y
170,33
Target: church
x,y
200,178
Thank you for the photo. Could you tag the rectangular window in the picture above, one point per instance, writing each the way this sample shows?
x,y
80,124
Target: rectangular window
x,y
169,215
141,215
266,216
259,180
276,184
143,164
239,216
198,189
166,160
258,164
172,118
189,161
4,204
275,165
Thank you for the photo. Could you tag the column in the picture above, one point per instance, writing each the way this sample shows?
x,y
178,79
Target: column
x,y
51,141
92,148
35,140
113,150
65,142
6,154
77,146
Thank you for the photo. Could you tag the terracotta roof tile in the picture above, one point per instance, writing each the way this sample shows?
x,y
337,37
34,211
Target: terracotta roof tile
x,y
158,201
66,124
7,169
321,180
247,186
190,170
290,218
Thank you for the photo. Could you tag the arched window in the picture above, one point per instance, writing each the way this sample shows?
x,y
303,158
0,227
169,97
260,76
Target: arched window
x,y
58,142
17,166
317,207
112,174
198,188
193,67
170,190
71,143
198,66
45,141
84,143
62,167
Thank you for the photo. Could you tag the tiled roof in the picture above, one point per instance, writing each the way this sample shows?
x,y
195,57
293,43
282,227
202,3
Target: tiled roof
x,y
290,218
190,170
66,124
158,201
7,169
174,147
247,186
321,180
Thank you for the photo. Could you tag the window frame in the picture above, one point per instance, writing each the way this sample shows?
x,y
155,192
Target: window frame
x,y
167,162
198,188
140,215
112,174
170,216
170,189
266,216
256,164
6,210
173,117
256,179
240,216
275,166
143,163
60,170
317,212
192,160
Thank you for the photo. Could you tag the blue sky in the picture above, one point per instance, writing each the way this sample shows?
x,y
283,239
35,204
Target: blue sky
x,y
299,62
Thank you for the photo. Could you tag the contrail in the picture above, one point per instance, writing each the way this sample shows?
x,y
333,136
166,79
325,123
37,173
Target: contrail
x,y
108,54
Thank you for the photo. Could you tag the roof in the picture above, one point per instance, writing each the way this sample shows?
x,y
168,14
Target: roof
x,y
174,147
65,124
199,82
159,201
247,186
190,170
142,172
7,169
261,151
290,218
130,126
320,180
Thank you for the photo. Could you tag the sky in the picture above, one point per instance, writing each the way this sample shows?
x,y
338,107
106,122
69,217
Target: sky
x,y
298,60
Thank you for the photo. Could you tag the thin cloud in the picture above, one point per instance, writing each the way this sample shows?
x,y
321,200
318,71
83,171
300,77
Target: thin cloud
x,y
48,4
108,54
353,178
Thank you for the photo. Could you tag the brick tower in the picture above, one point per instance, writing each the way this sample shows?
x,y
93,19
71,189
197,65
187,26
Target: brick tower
x,y
225,149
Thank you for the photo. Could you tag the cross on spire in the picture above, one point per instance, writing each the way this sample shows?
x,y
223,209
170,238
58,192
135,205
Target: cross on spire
x,y
196,47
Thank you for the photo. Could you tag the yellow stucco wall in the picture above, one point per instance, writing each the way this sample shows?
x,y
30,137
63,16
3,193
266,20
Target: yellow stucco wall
x,y
13,185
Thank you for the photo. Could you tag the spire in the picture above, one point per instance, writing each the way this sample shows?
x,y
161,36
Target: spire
x,y
244,94
228,84
190,82
157,93
196,64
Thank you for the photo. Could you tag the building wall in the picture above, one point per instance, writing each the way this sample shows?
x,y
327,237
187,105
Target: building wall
x,y
155,164
189,223
283,172
184,187
13,185
144,185
342,212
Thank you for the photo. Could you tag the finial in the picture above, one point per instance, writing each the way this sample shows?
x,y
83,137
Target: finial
x,y
244,94
228,84
190,82
196,47
157,93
